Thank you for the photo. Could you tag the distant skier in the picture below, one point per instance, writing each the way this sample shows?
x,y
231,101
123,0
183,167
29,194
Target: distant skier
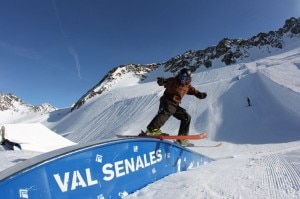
x,y
175,88
8,144
249,102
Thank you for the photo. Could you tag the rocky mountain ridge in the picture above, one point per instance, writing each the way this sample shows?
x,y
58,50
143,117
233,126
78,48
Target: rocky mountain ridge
x,y
226,52
13,103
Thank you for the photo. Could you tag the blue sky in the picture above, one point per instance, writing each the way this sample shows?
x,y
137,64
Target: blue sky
x,y
56,50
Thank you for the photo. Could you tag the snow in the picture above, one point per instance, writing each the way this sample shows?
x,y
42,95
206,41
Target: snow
x,y
35,137
260,152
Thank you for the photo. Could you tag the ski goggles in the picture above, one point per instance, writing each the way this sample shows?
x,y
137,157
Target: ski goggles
x,y
184,78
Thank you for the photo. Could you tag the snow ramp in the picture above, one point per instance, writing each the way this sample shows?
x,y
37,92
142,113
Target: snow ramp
x,y
35,137
109,169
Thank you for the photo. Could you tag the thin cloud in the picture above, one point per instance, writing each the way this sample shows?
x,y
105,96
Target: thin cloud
x,y
58,19
64,34
75,56
24,52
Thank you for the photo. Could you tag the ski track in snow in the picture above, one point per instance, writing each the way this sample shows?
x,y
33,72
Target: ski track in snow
x,y
282,174
259,174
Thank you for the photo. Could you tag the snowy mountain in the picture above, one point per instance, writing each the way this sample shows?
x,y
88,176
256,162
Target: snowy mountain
x,y
12,102
227,52
271,83
11,105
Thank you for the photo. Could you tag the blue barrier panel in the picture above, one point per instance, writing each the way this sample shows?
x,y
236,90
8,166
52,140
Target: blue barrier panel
x,y
110,169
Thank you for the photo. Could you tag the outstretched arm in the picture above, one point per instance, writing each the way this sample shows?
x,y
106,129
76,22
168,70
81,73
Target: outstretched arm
x,y
198,94
201,95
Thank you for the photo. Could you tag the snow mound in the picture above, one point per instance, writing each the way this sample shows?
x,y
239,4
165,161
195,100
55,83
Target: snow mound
x,y
35,137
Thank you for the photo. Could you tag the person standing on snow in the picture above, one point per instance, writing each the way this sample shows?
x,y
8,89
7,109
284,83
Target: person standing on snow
x,y
248,100
175,88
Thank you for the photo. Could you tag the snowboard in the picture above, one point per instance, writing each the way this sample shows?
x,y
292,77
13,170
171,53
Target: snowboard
x,y
168,137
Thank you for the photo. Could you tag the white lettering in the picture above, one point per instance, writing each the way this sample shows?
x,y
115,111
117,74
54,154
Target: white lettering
x,y
110,170
129,165
139,163
145,161
152,157
75,183
77,180
124,167
62,185
90,182
106,170
119,167
158,155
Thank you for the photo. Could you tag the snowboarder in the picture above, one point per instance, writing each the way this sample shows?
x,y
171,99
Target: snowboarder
x,y
249,102
175,88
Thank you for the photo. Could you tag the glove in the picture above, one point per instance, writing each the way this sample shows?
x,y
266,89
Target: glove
x,y
161,81
201,95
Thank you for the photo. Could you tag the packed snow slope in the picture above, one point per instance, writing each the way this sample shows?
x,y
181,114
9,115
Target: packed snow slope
x,y
272,84
260,154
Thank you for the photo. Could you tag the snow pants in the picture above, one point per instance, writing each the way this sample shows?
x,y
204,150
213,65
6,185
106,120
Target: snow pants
x,y
167,109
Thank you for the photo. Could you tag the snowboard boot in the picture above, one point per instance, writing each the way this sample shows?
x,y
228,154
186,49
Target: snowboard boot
x,y
155,132
184,143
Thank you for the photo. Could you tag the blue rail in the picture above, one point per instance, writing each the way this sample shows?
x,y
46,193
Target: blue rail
x,y
109,169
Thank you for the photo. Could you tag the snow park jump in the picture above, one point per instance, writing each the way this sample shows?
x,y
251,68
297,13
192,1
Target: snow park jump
x,y
109,169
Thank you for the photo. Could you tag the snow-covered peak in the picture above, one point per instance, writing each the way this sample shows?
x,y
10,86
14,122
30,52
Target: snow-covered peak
x,y
13,108
122,76
13,103
9,102
45,107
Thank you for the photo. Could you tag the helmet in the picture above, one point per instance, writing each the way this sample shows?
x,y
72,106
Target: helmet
x,y
185,72
184,75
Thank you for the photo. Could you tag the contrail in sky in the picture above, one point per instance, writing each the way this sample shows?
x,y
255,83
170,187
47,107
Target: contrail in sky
x,y
74,54
71,49
58,19
24,52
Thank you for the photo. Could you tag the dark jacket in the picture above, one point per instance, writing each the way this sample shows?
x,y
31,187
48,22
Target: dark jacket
x,y
175,89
